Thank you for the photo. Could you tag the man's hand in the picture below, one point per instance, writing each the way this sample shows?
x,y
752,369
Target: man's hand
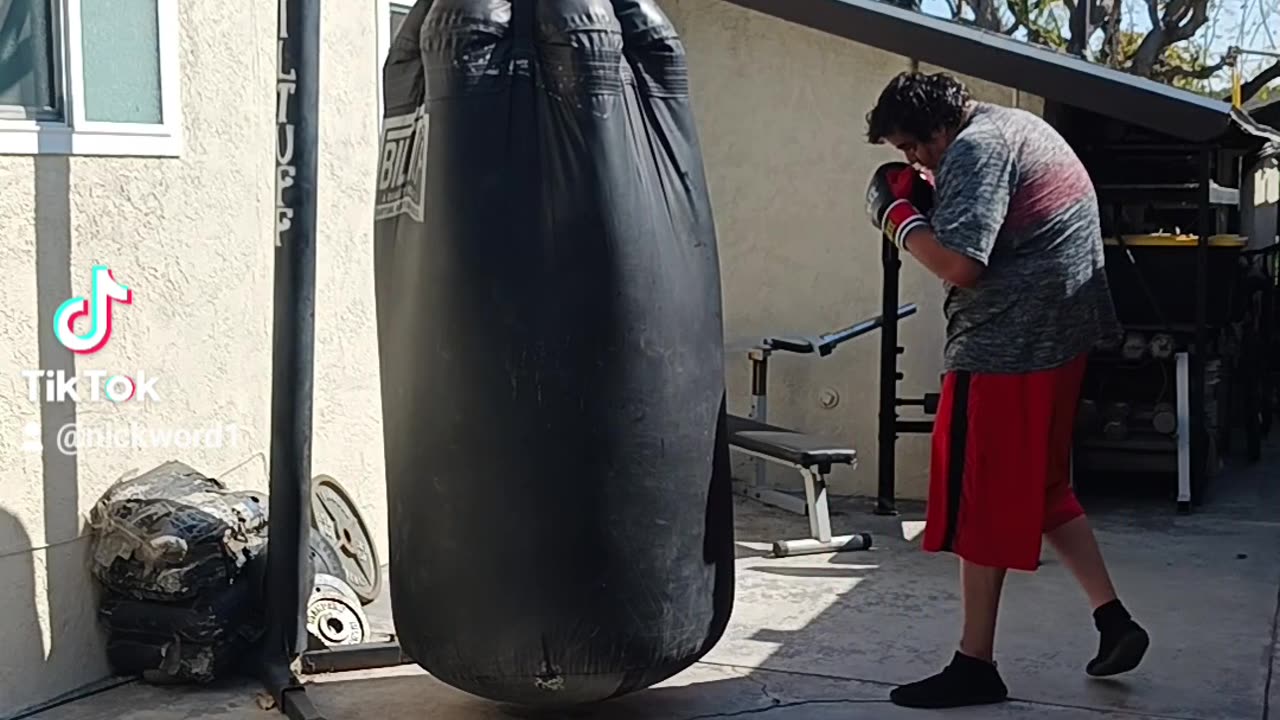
x,y
893,198
897,200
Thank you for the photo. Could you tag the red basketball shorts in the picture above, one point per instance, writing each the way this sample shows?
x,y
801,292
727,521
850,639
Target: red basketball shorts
x,y
1000,473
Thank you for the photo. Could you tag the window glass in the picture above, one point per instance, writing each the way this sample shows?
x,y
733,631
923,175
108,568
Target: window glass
x,y
27,80
120,40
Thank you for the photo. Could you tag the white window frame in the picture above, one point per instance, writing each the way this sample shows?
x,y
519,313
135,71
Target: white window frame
x,y
73,134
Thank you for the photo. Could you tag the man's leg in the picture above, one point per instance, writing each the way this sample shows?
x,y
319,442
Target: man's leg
x,y
1076,545
971,677
1122,642
959,435
980,588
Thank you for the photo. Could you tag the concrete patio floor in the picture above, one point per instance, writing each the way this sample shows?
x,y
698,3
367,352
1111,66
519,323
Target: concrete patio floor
x,y
826,637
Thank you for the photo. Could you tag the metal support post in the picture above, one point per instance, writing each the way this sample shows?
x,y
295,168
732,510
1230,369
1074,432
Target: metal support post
x,y
1181,388
888,430
815,491
757,488
820,539
759,358
1200,350
293,344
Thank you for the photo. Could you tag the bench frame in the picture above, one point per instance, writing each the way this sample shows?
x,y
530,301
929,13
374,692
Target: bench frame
x,y
816,505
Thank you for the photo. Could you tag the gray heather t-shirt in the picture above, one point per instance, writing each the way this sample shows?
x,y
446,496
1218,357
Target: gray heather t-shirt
x,y
1013,195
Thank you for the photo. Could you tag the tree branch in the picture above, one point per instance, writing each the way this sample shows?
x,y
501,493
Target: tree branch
x,y
985,15
1148,52
1169,73
1021,16
1153,12
1257,82
1111,36
1175,10
1199,16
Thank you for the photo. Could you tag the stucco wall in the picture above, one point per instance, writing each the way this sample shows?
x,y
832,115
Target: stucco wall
x,y
780,111
193,237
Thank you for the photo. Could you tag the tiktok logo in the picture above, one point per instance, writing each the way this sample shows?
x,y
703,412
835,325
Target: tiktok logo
x,y
61,386
103,292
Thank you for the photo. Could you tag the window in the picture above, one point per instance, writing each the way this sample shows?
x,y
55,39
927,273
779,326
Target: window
x,y
89,77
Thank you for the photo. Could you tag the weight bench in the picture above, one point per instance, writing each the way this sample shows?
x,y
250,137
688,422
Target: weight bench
x,y
813,456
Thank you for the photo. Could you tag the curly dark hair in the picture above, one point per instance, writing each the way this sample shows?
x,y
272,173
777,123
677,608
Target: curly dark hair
x,y
917,104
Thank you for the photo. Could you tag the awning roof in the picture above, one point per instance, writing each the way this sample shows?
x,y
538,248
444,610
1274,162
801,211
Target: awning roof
x,y
1001,59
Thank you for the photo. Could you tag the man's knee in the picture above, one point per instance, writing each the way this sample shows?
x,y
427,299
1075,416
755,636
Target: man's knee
x,y
1061,510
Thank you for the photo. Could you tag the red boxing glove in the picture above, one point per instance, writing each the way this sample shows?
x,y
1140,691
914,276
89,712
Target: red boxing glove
x,y
892,199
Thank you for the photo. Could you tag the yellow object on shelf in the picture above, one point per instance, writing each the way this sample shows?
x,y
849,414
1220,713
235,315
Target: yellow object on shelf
x,y
1170,240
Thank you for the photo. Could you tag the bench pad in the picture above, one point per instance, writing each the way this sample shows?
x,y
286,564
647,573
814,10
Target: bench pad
x,y
787,445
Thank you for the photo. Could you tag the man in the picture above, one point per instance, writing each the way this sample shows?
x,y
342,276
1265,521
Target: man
x,y
1014,234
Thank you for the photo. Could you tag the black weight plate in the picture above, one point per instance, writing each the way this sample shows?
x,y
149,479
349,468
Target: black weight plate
x,y
325,558
335,517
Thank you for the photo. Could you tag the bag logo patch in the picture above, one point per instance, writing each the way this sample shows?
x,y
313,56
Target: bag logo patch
x,y
402,170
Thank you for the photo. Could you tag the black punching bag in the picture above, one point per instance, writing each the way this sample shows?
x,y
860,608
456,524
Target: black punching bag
x,y
551,342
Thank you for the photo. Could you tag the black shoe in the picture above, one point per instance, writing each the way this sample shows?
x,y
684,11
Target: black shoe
x,y
1122,642
966,681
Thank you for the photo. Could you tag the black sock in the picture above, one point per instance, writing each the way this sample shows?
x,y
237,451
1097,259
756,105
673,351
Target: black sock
x,y
1111,616
966,681
1121,643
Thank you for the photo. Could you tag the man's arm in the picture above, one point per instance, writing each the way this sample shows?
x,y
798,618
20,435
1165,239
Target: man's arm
x,y
956,268
957,238
974,187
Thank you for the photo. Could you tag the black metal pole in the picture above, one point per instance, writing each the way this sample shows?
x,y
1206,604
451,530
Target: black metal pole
x,y
1200,356
1268,343
293,345
885,501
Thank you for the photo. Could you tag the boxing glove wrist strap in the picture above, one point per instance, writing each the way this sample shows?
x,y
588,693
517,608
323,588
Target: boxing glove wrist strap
x,y
900,219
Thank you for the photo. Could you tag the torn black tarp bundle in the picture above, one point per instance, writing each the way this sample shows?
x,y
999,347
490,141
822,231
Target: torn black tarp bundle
x,y
171,533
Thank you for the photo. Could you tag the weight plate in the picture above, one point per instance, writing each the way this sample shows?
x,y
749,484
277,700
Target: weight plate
x,y
325,558
335,516
324,583
335,619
